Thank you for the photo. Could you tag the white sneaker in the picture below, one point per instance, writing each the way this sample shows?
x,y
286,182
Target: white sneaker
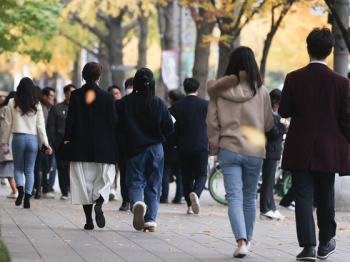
x,y
48,195
241,252
13,196
189,211
112,194
267,216
63,197
278,215
291,207
195,203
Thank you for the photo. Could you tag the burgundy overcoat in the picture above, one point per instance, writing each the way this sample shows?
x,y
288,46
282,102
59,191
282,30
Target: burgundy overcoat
x,y
318,101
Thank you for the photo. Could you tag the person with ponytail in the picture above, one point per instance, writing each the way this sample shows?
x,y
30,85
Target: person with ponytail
x,y
145,121
89,144
25,120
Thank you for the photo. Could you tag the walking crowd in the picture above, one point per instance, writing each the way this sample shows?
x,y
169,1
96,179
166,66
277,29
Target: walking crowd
x,y
94,135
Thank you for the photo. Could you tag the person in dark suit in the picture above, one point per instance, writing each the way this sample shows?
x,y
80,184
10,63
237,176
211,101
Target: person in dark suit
x,y
90,145
317,146
192,142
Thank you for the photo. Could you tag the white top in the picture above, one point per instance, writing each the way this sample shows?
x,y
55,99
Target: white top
x,y
33,124
318,62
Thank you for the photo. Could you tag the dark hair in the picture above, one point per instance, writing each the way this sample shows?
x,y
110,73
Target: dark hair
x,y
275,96
8,97
113,87
129,82
320,43
91,72
144,89
242,59
176,95
26,97
39,93
191,85
68,87
46,91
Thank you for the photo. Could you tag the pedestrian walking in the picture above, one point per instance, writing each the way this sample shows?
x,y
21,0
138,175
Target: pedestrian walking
x,y
273,154
56,127
317,146
89,144
192,143
145,121
6,158
239,100
25,120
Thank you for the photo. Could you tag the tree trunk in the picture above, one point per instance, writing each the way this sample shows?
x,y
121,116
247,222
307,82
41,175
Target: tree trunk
x,y
143,32
267,45
224,57
102,54
201,61
115,51
76,71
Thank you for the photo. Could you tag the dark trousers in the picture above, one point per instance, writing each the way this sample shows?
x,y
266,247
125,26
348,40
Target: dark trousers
x,y
175,167
122,170
307,185
267,201
47,162
194,172
41,166
62,168
288,198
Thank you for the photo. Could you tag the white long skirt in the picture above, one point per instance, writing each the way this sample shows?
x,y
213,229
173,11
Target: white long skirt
x,y
90,180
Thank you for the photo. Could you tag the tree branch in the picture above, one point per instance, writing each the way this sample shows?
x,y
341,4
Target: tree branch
x,y
79,44
101,16
238,21
104,38
128,27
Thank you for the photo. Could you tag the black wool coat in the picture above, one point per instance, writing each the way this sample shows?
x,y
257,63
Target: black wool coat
x,y
275,139
90,128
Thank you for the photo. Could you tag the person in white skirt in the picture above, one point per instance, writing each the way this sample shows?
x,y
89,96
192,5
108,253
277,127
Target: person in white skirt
x,y
90,146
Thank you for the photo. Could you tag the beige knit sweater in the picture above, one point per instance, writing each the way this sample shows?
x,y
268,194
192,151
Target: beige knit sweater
x,y
231,106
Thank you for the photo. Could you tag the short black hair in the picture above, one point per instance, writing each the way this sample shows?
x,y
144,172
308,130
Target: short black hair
x,y
275,96
112,87
129,82
68,87
191,85
176,95
320,43
46,91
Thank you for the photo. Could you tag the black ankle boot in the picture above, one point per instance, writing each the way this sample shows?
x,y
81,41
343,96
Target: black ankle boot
x,y
26,203
39,181
20,196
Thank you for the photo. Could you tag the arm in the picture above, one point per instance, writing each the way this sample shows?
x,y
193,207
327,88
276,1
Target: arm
x,y
344,119
121,117
166,124
52,125
40,125
213,127
267,111
276,131
8,124
285,109
70,118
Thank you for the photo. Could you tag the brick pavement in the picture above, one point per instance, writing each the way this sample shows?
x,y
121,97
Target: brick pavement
x,y
52,231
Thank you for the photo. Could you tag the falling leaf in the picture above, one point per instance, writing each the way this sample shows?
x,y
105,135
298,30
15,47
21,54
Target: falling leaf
x,y
90,96
343,228
254,136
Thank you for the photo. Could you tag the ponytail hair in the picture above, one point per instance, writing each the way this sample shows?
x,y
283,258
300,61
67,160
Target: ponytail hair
x,y
144,91
91,73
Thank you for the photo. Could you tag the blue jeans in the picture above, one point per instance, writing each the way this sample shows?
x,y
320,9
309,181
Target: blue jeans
x,y
241,176
144,179
24,148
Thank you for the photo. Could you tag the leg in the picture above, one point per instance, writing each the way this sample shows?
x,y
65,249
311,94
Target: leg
x,y
53,172
288,198
153,173
88,215
100,219
123,187
324,194
30,156
18,149
303,183
267,202
187,175
250,176
200,163
12,184
47,161
38,173
231,164
179,188
62,172
166,181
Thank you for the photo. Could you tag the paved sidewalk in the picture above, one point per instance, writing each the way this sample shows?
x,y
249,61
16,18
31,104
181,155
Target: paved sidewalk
x,y
52,231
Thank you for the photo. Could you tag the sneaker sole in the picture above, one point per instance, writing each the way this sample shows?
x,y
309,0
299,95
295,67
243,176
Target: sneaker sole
x,y
99,217
325,257
139,221
262,217
306,259
195,203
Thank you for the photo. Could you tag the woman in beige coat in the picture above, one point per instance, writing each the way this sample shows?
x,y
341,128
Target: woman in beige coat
x,y
239,101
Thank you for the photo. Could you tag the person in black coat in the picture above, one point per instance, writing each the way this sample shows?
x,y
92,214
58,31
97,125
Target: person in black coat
x,y
90,145
171,160
273,154
145,121
192,142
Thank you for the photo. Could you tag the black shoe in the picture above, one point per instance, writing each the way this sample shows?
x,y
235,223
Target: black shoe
x,y
324,253
89,226
20,196
124,206
163,201
26,202
99,217
176,201
38,182
308,254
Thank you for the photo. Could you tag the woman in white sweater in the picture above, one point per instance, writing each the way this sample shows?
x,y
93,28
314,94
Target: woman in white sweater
x,y
25,120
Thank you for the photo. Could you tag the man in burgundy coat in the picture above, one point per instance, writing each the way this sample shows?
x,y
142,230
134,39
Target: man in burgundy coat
x,y
318,101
